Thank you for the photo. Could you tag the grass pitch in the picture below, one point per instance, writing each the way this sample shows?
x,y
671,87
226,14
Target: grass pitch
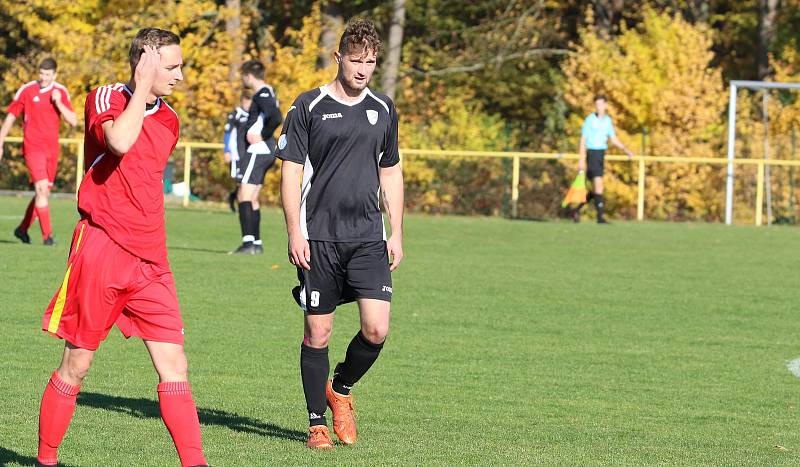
x,y
512,342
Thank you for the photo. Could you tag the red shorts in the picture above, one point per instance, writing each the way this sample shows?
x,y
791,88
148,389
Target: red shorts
x,y
42,166
106,285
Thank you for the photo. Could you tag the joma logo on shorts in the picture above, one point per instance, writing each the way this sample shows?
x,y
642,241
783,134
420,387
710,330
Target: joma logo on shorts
x,y
327,116
386,288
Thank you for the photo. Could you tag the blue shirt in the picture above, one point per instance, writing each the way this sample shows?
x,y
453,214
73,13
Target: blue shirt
x,y
597,131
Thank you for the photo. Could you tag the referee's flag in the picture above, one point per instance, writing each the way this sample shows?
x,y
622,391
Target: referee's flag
x,y
576,195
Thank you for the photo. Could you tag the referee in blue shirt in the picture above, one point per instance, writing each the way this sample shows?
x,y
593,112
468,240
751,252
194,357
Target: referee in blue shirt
x,y
597,130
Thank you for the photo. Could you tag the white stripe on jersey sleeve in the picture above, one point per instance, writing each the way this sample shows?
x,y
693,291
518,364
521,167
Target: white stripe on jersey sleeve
x,y
98,99
62,89
19,91
385,106
322,93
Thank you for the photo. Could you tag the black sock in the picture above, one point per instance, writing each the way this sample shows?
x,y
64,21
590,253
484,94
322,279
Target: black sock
x,y
257,225
599,205
361,354
245,220
314,367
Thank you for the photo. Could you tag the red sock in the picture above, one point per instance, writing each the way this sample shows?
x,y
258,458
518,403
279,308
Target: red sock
x,y
44,221
180,416
58,404
30,215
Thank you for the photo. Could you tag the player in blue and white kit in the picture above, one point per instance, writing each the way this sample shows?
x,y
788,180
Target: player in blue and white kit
x,y
596,131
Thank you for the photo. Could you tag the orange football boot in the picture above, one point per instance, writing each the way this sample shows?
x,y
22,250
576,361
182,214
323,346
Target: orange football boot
x,y
344,421
319,438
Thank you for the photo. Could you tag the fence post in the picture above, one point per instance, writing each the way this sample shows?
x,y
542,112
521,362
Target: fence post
x,y
640,191
79,167
187,165
760,193
514,187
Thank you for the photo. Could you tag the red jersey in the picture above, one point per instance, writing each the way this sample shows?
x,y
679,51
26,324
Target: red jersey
x,y
42,119
124,195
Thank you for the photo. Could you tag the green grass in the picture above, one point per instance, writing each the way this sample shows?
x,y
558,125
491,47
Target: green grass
x,y
511,343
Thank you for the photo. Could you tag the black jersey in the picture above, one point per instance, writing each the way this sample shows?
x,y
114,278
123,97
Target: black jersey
x,y
341,146
265,104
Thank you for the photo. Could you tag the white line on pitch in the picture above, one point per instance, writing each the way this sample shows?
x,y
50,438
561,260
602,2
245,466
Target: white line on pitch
x,y
794,367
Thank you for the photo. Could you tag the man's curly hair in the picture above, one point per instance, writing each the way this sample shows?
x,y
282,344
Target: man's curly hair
x,y
360,35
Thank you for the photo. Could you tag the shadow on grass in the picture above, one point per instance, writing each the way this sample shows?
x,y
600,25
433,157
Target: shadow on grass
x,y
7,456
146,408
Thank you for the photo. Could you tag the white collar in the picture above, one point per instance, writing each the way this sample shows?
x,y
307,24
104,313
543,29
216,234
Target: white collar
x,y
325,90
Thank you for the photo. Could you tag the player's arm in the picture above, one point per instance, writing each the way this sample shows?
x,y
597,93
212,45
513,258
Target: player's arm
x,y
272,118
69,115
226,138
122,133
582,154
291,178
252,117
7,124
293,151
616,142
391,180
393,199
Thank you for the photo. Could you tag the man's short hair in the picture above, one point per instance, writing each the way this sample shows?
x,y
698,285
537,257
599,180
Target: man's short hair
x,y
600,97
360,35
254,68
153,37
48,63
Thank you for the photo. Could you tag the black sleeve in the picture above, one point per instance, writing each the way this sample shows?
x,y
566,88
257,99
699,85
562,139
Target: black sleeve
x,y
391,154
293,142
268,105
265,103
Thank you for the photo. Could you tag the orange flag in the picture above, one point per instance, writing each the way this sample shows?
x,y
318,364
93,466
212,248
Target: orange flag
x,y
576,194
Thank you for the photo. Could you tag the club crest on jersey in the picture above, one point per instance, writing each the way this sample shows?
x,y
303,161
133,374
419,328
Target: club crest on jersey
x,y
35,98
327,116
372,116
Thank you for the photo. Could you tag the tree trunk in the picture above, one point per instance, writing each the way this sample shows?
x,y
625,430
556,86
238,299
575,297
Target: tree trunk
x,y
767,10
233,26
332,25
392,66
607,14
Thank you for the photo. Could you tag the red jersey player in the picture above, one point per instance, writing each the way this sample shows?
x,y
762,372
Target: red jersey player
x,y
42,103
117,271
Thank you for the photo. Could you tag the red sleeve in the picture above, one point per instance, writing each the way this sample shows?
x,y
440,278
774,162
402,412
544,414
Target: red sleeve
x,y
17,106
66,100
102,105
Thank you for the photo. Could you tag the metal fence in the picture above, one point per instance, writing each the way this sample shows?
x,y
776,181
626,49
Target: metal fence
x,y
516,157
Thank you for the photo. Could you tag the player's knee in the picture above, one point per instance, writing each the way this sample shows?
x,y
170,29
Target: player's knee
x,y
76,370
376,334
319,335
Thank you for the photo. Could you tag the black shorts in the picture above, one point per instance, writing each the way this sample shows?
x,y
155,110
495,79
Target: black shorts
x,y
342,273
594,163
252,168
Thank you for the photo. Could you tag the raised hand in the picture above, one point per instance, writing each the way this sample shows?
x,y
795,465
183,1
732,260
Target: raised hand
x,y
55,96
147,68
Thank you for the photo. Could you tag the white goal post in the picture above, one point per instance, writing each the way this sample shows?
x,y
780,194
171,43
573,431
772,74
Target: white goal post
x,y
735,85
